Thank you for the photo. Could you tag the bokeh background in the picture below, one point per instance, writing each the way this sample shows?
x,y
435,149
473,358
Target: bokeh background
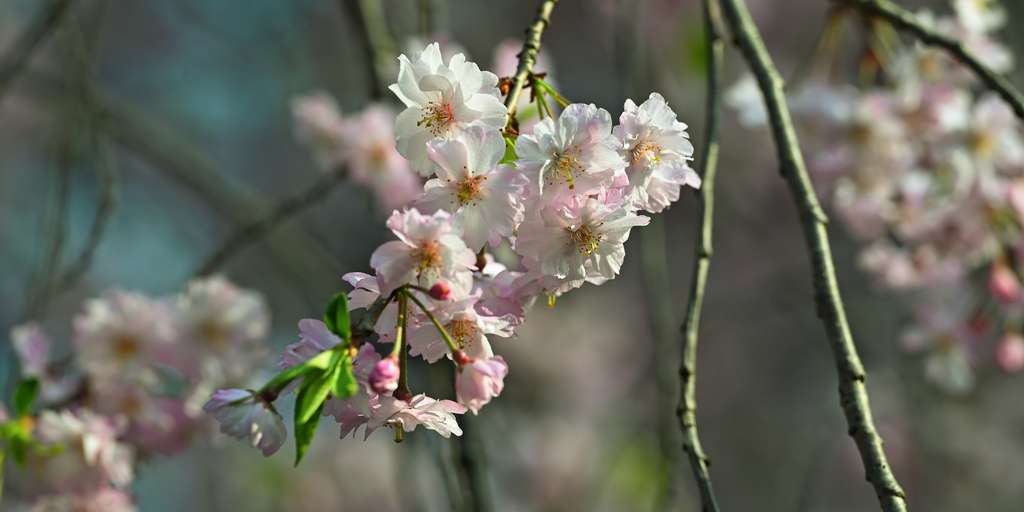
x,y
192,99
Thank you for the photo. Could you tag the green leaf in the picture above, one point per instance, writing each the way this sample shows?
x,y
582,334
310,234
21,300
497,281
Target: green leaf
x,y
510,150
287,375
24,396
305,432
336,317
345,384
312,393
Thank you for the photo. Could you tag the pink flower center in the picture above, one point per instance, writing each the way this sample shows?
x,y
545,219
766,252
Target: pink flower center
x,y
470,189
585,239
645,150
438,118
462,331
565,168
429,256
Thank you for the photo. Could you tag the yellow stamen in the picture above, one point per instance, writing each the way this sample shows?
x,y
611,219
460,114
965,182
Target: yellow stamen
x,y
438,118
585,240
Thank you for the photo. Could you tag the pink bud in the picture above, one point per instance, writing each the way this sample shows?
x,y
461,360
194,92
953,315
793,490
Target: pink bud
x,y
441,291
1003,283
1010,353
384,377
461,358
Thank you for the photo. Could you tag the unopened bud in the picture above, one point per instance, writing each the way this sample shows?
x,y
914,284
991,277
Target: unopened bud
x,y
441,291
461,358
1003,283
1010,353
384,377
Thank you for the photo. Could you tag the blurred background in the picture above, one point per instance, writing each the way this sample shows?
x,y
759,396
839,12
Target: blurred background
x,y
190,102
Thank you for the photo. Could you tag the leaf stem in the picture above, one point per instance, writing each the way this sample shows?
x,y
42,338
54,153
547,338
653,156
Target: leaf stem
x,y
452,346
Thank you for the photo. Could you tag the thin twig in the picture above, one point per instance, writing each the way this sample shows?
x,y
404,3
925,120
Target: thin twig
x,y
528,57
34,36
368,18
107,172
908,22
853,395
702,263
251,233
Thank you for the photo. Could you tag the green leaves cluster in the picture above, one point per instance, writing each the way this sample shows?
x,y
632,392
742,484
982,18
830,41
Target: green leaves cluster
x,y
327,374
16,433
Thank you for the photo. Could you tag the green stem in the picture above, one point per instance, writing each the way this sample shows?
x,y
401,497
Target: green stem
x,y
452,346
853,395
687,409
906,21
528,57
400,349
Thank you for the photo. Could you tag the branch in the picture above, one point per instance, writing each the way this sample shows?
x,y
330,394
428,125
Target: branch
x,y
907,22
687,409
107,172
35,34
368,19
853,396
472,472
528,57
250,233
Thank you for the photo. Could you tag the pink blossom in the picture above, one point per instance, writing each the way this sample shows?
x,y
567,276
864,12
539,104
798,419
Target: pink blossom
x,y
485,199
467,327
92,459
32,347
428,249
479,381
436,415
318,124
369,150
248,417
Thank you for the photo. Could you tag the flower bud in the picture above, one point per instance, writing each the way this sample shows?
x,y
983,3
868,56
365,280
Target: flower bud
x,y
1010,353
441,291
1003,283
461,358
384,377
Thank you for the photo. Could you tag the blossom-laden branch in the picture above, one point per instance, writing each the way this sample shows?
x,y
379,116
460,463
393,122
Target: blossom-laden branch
x,y
314,194
528,57
687,410
853,394
32,38
906,21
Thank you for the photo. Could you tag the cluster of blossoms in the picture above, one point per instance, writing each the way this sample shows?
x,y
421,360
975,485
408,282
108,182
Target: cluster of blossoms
x,y
131,386
510,212
928,171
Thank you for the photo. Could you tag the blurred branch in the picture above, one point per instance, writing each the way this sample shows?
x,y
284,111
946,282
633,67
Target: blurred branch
x,y
367,16
109,177
171,153
472,472
908,22
853,395
250,233
27,42
528,56
687,409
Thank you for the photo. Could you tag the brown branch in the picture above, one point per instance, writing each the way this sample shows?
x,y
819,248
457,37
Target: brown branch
x,y
853,395
528,57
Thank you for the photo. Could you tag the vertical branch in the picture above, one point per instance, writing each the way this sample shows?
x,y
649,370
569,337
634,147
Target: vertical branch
x,y
38,31
853,396
472,468
528,57
368,18
702,263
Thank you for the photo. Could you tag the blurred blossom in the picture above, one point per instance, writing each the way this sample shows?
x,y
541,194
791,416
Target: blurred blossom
x,y
92,457
926,170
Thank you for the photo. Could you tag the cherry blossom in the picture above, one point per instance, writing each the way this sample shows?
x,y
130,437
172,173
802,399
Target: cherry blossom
x,y
246,416
428,249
